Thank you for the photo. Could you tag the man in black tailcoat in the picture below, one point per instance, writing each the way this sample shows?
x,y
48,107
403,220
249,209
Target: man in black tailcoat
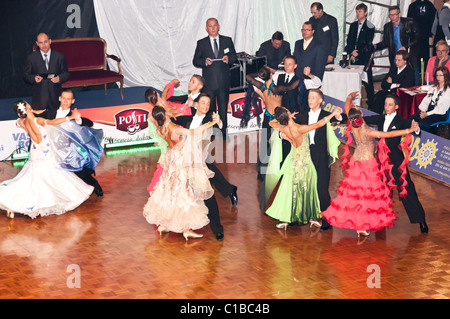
x,y
390,121
201,115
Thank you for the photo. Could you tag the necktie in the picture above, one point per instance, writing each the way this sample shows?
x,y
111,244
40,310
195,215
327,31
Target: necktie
x,y
216,48
46,61
287,79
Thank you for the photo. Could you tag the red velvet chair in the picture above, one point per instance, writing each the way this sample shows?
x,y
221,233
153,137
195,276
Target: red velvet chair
x,y
86,61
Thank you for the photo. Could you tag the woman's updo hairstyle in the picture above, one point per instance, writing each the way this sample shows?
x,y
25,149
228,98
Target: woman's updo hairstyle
x,y
264,73
159,114
355,117
281,115
20,107
151,95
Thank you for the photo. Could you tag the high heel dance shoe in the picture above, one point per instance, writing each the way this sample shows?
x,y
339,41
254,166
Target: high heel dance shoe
x,y
162,230
282,225
190,234
363,233
314,222
10,214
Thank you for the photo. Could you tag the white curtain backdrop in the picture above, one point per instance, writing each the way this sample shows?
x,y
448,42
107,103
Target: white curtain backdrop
x,y
156,39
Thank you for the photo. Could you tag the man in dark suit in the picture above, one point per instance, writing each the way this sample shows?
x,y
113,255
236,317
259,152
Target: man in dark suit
x,y
214,55
359,46
309,53
390,121
400,34
326,31
200,115
45,70
275,50
401,75
319,150
67,99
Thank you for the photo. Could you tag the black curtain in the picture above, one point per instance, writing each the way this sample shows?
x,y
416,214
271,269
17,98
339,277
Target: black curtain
x,y
20,23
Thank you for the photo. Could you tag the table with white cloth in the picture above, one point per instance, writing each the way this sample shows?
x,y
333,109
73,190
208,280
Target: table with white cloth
x,y
339,82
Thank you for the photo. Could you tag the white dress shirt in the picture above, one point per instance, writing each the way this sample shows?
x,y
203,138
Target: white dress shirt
x,y
360,24
48,54
211,39
287,76
193,96
388,120
196,121
313,117
60,113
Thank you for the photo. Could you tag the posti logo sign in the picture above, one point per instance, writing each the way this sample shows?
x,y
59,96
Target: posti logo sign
x,y
132,120
237,108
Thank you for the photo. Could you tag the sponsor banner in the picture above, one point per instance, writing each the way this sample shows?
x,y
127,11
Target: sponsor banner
x,y
120,123
430,154
235,110
12,139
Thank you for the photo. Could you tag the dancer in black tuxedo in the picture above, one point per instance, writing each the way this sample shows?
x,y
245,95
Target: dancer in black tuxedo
x,y
390,121
200,116
214,55
195,87
319,147
45,77
67,99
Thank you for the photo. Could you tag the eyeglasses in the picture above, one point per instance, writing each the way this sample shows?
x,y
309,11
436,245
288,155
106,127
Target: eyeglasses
x,y
393,14
306,30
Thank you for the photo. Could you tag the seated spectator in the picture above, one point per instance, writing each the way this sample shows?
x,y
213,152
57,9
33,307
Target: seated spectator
x,y
435,105
441,58
275,50
401,75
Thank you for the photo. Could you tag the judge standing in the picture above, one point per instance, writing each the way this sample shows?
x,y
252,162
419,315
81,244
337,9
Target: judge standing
x,y
46,70
215,54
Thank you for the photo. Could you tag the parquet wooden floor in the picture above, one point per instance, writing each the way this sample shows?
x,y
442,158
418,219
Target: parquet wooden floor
x,y
107,244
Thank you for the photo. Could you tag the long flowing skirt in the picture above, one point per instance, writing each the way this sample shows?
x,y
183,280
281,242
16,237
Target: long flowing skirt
x,y
176,202
364,200
42,188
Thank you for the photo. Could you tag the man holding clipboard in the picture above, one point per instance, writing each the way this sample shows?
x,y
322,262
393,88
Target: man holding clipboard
x,y
215,54
45,69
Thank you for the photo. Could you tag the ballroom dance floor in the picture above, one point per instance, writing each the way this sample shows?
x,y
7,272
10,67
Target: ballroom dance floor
x,y
115,253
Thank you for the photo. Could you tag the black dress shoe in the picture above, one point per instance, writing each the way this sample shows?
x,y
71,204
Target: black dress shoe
x,y
233,196
325,225
423,228
219,236
98,191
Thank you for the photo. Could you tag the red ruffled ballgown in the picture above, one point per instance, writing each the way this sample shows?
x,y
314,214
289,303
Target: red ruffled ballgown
x,y
364,197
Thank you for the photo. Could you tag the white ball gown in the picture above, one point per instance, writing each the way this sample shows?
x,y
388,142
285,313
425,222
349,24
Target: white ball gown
x,y
42,187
